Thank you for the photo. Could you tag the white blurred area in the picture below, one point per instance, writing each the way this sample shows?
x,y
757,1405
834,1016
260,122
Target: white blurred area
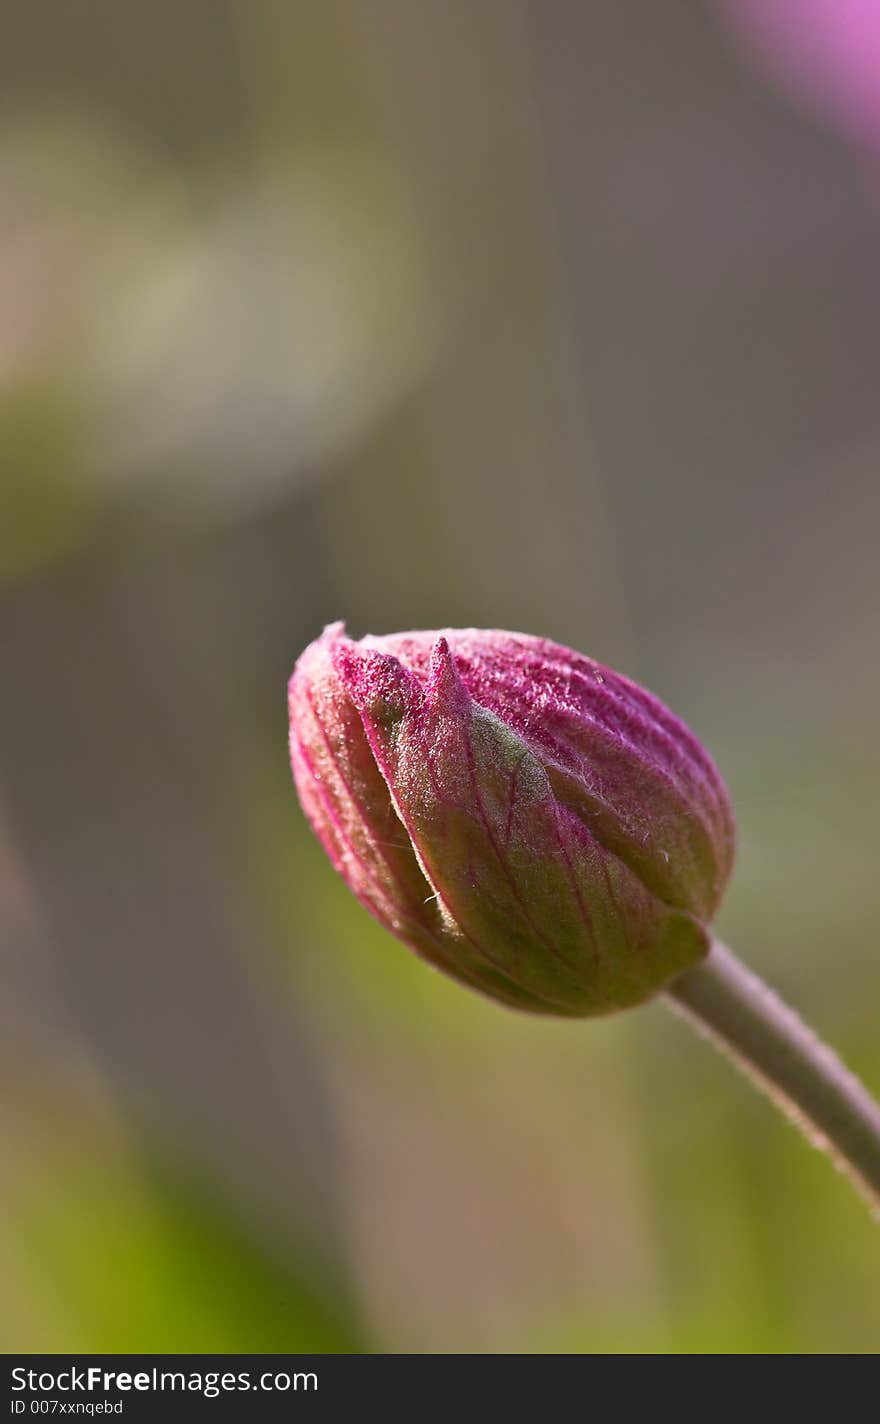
x,y
219,345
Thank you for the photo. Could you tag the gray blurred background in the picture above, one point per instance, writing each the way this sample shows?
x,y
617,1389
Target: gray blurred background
x,y
556,317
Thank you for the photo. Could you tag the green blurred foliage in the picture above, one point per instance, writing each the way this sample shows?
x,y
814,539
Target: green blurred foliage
x,y
155,1266
48,504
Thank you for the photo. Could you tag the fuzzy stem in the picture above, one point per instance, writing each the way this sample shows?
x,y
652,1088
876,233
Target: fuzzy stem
x,y
782,1056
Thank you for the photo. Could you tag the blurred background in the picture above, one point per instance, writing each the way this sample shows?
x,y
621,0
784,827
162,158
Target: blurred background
x,y
563,318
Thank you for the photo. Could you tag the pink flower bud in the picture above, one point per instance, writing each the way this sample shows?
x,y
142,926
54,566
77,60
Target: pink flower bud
x,y
531,822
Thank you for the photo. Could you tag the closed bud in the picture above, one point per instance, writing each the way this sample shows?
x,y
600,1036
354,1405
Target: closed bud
x,y
532,823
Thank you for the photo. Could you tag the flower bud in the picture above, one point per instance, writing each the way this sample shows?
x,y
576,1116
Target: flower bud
x,y
532,823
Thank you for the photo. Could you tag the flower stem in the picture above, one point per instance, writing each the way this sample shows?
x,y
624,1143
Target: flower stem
x,y
768,1041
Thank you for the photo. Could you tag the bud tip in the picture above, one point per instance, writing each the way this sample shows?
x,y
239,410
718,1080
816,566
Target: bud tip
x,y
445,687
